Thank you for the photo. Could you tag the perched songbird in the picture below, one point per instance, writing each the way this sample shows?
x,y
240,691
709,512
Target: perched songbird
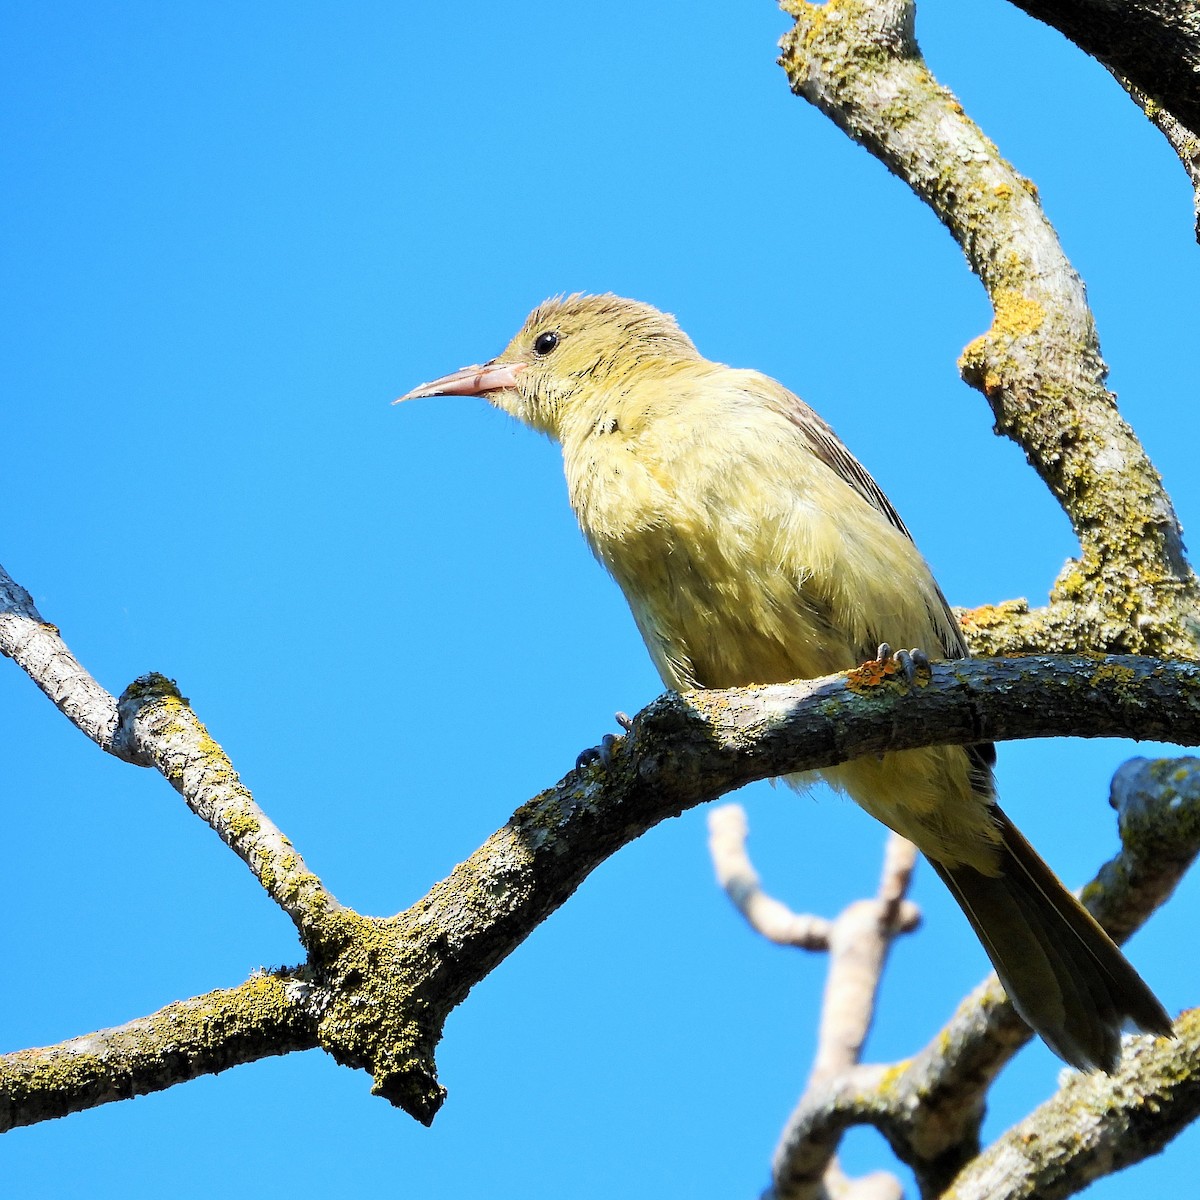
x,y
753,548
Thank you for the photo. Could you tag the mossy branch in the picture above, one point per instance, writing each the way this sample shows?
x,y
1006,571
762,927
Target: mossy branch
x,y
1094,1125
1039,365
942,1089
269,1014
158,728
1184,140
381,988
1154,44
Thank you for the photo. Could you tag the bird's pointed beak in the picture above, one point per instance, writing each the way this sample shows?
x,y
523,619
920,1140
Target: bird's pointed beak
x,y
469,381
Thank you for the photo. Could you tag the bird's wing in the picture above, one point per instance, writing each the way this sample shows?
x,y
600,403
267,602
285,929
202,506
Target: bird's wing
x,y
829,449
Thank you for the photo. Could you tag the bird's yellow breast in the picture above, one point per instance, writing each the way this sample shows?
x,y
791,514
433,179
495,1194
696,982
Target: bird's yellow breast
x,y
747,559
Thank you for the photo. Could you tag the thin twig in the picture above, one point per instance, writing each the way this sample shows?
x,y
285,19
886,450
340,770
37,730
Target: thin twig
x,y
727,832
858,941
805,1167
37,647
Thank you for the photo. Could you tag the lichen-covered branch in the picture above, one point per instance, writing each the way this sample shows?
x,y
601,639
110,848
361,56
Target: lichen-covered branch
x,y
38,649
803,1165
938,1097
733,737
159,729
381,988
388,984
1157,802
1039,365
151,725
1183,140
684,750
1094,1125
271,1013
1153,43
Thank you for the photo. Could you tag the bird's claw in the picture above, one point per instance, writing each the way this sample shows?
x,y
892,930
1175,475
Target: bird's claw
x,y
603,753
909,661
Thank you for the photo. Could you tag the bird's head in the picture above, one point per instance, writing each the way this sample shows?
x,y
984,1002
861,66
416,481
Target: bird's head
x,y
570,354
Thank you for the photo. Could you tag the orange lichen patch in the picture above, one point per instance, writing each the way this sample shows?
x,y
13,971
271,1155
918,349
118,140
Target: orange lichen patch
x,y
869,675
991,616
872,674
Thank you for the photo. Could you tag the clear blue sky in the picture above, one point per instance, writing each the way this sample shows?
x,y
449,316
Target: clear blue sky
x,y
232,233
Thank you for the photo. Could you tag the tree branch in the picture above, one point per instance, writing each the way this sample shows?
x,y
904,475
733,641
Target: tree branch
x,y
1152,49
387,984
684,750
1155,44
1184,141
858,941
153,726
805,1167
272,1013
158,729
941,1091
774,920
38,649
931,1107
1094,1125
1039,365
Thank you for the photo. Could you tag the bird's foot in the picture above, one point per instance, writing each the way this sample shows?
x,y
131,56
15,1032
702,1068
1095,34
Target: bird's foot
x,y
909,661
603,753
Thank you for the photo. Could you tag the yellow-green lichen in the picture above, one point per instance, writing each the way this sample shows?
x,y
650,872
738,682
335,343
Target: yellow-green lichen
x,y
1016,314
992,616
1113,673
892,1077
242,823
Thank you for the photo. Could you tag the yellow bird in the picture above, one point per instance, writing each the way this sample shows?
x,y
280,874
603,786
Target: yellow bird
x,y
753,548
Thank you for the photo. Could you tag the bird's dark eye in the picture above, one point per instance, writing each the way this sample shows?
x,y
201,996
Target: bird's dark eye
x,y
544,343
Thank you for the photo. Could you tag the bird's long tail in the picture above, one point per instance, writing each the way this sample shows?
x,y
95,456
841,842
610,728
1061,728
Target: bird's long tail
x,y
1063,973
